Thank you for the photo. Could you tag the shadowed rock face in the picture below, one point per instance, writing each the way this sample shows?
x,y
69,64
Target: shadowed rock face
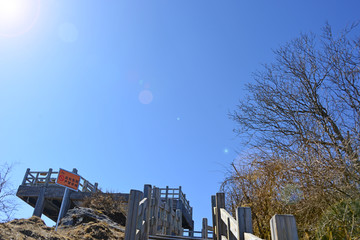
x,y
78,216
79,223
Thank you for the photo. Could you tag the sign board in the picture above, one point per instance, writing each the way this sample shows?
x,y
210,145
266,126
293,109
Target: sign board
x,y
68,179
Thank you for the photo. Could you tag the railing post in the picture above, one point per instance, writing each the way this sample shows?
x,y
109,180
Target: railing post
x,y
36,178
220,226
155,214
48,177
283,227
178,222
133,208
168,216
147,218
213,214
167,193
243,217
179,193
204,231
26,176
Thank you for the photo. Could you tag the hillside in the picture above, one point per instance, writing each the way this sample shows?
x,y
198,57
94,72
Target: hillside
x,y
79,223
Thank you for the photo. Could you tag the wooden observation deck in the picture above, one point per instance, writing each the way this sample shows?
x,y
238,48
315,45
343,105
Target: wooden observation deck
x,y
40,191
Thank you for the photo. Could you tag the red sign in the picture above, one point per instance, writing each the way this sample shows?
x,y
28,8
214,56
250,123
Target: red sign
x,y
68,179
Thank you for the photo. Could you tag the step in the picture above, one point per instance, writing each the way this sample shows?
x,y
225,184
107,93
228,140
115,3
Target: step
x,y
168,237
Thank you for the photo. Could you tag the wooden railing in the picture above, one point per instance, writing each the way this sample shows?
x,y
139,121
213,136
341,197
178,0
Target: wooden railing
x,y
226,227
147,214
42,178
176,193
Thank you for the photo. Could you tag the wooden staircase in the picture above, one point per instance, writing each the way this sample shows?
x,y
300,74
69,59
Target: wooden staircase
x,y
166,237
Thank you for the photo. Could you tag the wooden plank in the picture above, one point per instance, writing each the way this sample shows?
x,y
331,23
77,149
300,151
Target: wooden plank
x,y
249,236
230,222
283,227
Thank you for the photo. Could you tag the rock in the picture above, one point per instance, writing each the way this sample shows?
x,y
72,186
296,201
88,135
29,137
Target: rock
x,y
81,215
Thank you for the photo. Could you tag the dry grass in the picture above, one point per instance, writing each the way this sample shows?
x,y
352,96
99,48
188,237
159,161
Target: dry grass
x,y
110,205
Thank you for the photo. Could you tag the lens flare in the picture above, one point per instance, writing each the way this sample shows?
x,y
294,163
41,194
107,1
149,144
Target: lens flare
x,y
18,16
145,97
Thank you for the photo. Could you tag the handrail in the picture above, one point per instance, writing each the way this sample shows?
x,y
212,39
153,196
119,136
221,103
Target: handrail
x,y
41,178
177,194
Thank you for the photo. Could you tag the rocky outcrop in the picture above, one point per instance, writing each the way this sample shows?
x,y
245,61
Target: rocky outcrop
x,y
79,223
81,215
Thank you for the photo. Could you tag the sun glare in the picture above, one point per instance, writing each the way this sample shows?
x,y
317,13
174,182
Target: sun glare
x,y
17,16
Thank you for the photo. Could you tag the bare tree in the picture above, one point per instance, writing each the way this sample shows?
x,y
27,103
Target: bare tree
x,y
302,117
7,203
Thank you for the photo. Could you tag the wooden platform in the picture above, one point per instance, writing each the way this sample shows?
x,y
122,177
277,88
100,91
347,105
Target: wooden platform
x,y
39,190
52,198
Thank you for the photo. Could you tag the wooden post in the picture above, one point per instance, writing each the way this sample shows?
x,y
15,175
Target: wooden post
x,y
179,222
40,202
168,215
147,218
48,177
26,176
39,207
220,226
35,181
204,231
243,217
283,227
167,193
213,209
180,192
155,214
133,208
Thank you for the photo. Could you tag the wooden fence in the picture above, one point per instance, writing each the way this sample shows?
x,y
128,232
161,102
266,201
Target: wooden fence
x,y
147,214
44,178
226,227
176,193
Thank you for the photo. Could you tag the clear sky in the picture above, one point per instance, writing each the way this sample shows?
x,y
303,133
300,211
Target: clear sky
x,y
136,92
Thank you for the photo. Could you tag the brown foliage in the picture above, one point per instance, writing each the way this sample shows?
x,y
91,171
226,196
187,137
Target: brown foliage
x,y
109,204
302,117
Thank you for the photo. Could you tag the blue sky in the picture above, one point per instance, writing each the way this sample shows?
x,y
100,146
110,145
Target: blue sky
x,y
136,92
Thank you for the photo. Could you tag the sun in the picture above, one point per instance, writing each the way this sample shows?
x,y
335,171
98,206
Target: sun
x,y
17,16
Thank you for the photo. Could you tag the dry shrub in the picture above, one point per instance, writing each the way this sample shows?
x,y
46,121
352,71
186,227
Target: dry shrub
x,y
109,204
